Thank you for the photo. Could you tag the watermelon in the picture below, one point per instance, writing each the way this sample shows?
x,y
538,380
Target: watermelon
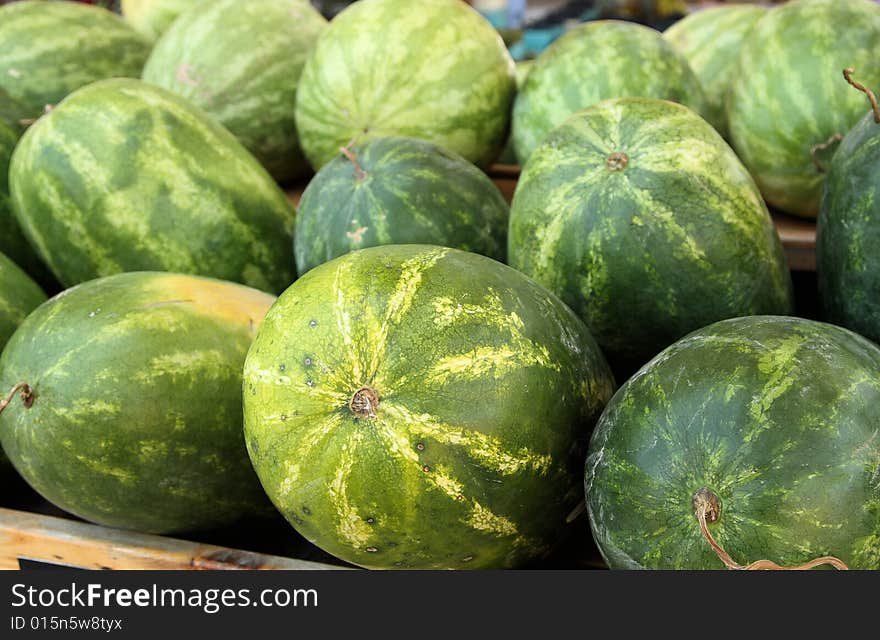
x,y
12,242
152,184
639,216
848,232
382,68
710,40
134,411
398,191
410,406
787,108
241,63
773,421
153,17
19,295
49,49
596,61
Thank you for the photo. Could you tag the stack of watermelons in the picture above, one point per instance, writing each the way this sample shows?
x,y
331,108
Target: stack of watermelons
x,y
409,400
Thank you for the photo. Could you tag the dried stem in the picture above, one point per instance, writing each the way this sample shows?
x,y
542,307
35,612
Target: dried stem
x,y
847,73
706,505
837,137
27,396
576,512
359,173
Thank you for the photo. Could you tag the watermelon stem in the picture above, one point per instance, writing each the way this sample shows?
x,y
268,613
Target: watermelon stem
x,y
27,396
847,74
617,161
359,173
26,122
364,402
816,148
707,508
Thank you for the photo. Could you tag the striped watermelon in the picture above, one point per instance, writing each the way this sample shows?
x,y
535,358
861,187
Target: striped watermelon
x,y
19,295
49,49
134,418
398,191
383,68
787,108
153,17
593,62
421,407
12,243
771,421
640,217
848,233
241,63
151,184
710,40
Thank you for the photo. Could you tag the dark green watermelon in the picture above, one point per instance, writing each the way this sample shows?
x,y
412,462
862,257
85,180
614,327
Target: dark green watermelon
x,y
19,295
134,417
772,419
13,115
398,191
153,184
49,49
419,407
848,233
639,216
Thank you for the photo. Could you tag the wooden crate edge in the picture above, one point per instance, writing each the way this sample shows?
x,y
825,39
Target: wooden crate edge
x,y
52,540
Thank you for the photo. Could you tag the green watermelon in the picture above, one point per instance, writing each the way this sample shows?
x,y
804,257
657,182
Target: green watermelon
x,y
787,108
241,63
639,216
12,242
152,184
49,49
134,419
409,406
593,62
153,17
710,40
13,114
398,191
19,295
384,68
848,233
772,419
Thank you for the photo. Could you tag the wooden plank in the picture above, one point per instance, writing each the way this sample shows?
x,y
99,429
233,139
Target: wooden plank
x,y
798,235
53,540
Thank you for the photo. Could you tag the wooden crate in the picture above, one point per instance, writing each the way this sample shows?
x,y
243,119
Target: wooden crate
x,y
27,538
798,235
